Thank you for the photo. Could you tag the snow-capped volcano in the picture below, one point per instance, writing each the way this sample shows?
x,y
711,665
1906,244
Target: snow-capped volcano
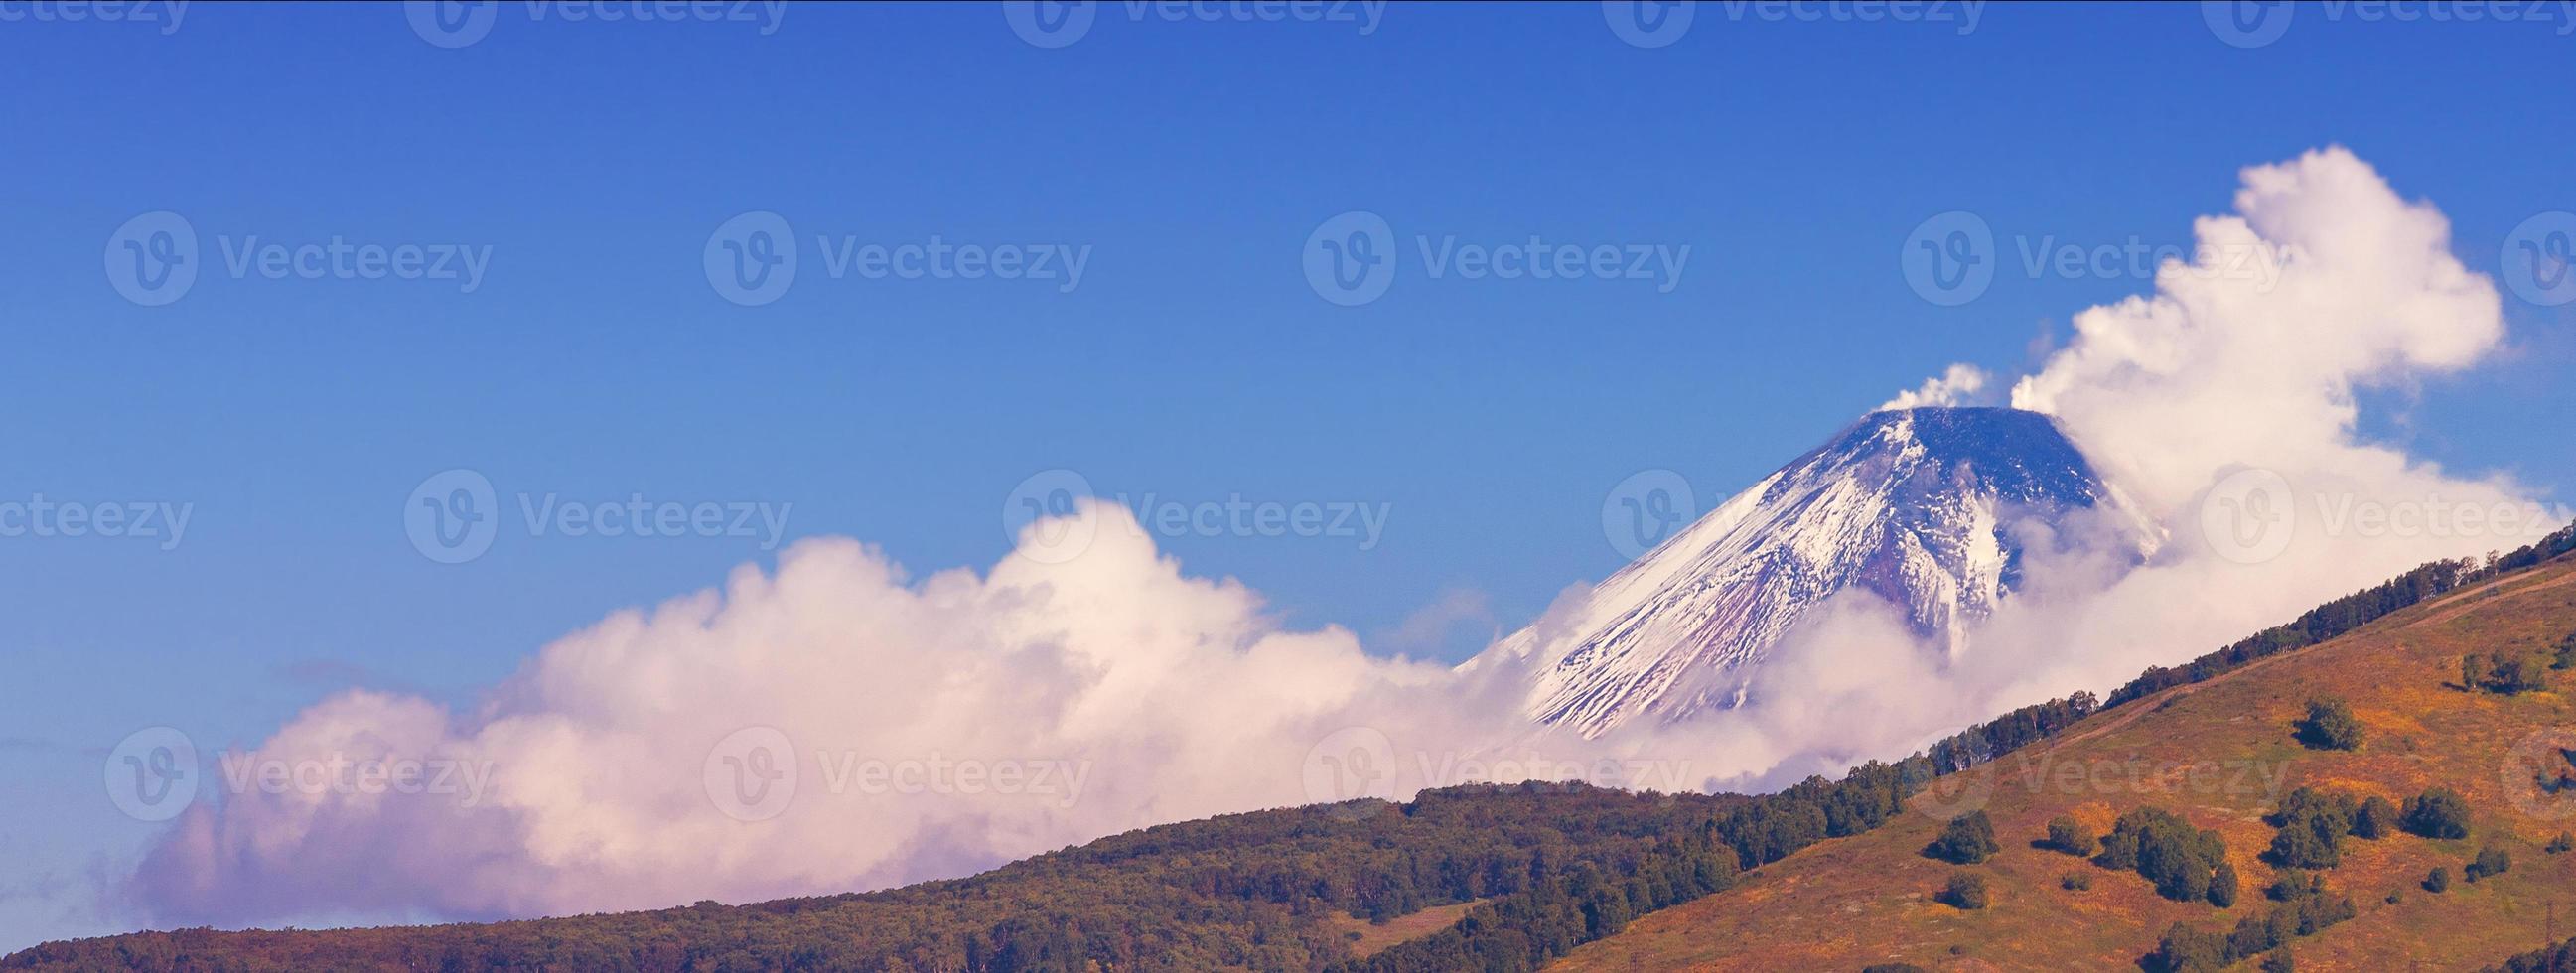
x,y
1928,508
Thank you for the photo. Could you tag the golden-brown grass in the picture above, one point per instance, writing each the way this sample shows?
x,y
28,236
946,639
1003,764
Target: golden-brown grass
x,y
1369,939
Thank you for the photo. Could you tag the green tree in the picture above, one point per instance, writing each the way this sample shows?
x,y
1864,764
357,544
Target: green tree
x,y
2438,813
2188,950
2519,675
2293,886
2473,672
2178,858
1964,891
2222,886
2066,835
2375,818
2312,824
2330,726
1966,840
2491,860
2437,880
2278,961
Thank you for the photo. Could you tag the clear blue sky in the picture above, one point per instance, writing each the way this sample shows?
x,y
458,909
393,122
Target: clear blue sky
x,y
1192,361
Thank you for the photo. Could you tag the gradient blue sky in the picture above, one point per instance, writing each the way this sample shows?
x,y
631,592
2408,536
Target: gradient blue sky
x,y
1193,361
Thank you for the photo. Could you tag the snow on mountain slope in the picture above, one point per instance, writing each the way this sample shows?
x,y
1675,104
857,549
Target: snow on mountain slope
x,y
1927,508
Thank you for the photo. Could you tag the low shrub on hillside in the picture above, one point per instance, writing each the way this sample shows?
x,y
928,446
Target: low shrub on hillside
x,y
2293,886
2565,842
1966,840
2180,859
2491,860
2505,674
2065,835
2437,813
1965,891
2075,882
2330,726
2520,675
2312,825
2437,880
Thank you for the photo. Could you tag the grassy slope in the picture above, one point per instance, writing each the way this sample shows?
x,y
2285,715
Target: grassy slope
x,y
1369,939
1867,899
